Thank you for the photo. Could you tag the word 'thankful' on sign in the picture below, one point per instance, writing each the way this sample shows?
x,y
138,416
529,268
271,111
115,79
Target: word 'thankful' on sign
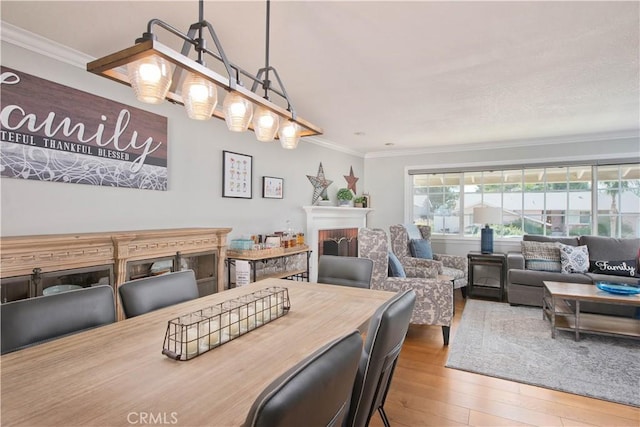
x,y
51,132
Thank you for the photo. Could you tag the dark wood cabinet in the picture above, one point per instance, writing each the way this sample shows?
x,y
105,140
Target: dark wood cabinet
x,y
487,275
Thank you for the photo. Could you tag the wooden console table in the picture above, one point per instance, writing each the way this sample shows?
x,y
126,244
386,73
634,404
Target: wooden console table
x,y
30,256
285,272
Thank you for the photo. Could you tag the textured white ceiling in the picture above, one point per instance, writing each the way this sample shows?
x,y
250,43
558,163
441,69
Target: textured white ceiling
x,y
411,74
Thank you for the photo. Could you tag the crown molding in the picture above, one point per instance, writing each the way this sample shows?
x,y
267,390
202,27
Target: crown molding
x,y
332,146
42,46
632,157
631,135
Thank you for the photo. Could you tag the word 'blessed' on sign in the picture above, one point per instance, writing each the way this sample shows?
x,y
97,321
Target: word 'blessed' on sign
x,y
51,132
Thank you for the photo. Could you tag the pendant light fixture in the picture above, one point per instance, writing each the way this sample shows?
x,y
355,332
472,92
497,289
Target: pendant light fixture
x,y
265,124
289,135
237,112
155,71
150,78
200,97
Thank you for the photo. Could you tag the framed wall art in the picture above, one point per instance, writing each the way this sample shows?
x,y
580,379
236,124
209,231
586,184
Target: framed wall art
x,y
272,188
367,200
57,133
237,175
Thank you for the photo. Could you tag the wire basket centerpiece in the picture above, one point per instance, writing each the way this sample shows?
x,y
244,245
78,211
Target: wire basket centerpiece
x,y
195,333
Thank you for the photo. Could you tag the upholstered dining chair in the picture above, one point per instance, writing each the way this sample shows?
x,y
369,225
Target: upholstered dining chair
x,y
345,271
315,392
141,296
387,330
453,266
36,320
434,296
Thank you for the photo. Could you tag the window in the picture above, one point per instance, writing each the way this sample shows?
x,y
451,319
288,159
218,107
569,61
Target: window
x,y
435,199
550,201
618,202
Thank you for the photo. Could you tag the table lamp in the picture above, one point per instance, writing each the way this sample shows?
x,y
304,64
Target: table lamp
x,y
487,215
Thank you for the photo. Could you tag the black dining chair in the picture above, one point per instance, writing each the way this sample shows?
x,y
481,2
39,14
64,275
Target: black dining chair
x,y
315,392
345,271
385,336
141,296
32,321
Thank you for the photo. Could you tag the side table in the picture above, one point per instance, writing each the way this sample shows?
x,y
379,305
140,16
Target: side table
x,y
487,274
281,268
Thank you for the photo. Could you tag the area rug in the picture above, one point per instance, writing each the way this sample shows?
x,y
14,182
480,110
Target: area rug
x,y
514,343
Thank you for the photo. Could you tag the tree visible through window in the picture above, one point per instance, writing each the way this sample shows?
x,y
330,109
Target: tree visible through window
x,y
551,201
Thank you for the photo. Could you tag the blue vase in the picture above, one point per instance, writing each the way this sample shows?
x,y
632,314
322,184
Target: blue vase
x,y
486,240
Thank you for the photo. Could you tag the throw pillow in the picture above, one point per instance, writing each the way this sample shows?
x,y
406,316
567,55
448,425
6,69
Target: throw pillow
x,y
413,231
421,248
395,266
574,259
627,268
541,256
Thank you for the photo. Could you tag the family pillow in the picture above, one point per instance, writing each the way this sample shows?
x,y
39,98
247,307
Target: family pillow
x,y
628,268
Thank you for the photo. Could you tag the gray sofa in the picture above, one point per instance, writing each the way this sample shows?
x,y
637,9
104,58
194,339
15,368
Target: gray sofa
x,y
524,286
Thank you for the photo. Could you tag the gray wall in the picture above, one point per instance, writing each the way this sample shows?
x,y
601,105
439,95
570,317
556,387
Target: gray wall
x,y
387,177
194,197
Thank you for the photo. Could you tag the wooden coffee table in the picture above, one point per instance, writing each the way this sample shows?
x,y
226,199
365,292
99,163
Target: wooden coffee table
x,y
556,308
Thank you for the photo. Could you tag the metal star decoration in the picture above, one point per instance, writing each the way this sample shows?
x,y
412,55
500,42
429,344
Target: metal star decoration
x,y
351,181
320,184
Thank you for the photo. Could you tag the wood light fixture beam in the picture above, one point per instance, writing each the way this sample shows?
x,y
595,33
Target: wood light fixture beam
x,y
113,67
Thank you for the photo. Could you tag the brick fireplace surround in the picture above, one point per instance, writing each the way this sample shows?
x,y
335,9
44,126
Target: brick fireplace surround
x,y
325,218
339,241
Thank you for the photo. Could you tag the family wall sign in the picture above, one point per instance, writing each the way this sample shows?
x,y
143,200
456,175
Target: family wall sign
x,y
51,132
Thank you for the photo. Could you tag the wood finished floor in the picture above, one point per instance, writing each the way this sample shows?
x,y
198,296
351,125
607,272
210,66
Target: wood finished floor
x,y
425,393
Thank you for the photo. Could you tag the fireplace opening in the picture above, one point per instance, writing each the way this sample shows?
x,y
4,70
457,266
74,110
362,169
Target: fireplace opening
x,y
340,242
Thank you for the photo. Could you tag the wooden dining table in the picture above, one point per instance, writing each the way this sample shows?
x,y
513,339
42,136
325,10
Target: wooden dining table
x,y
116,375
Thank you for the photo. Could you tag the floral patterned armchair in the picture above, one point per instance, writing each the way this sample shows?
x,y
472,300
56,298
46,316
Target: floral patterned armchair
x,y
453,266
434,302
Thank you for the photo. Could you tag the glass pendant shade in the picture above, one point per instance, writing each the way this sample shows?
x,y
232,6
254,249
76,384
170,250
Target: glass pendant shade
x,y
289,135
237,112
199,96
150,78
265,124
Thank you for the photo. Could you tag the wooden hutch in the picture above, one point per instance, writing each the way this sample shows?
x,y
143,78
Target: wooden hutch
x,y
31,264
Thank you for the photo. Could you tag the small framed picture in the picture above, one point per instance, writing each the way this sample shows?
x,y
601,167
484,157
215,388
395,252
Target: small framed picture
x,y
272,188
237,175
367,200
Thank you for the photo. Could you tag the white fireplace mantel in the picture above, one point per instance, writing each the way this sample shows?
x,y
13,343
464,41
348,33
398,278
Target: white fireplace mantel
x,y
328,218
